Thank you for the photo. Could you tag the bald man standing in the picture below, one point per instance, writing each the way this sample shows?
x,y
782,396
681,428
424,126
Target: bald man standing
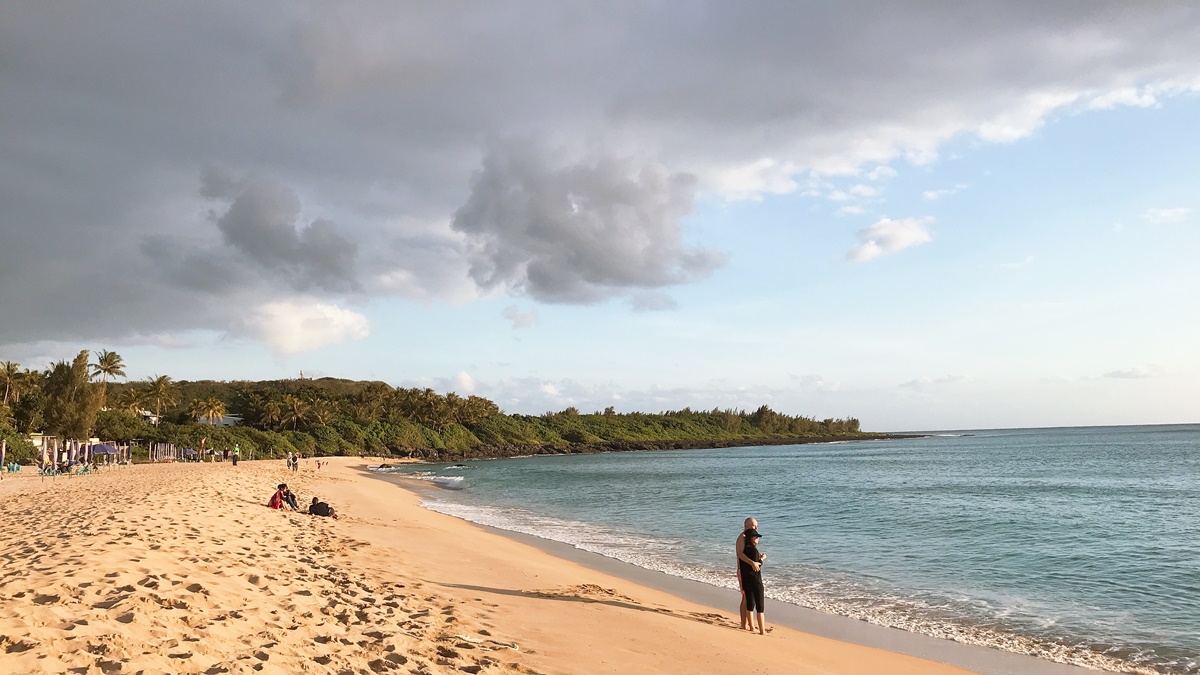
x,y
740,546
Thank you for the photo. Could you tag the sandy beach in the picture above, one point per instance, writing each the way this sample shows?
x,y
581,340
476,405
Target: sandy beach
x,y
181,568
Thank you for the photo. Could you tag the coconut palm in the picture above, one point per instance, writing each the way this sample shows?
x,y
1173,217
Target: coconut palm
x,y
211,409
322,413
162,392
294,409
132,400
107,363
10,374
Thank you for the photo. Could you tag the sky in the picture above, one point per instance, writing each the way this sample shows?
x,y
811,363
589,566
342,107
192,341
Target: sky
x,y
926,215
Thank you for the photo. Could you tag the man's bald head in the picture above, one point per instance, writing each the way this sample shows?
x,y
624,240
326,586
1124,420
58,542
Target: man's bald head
x,y
751,524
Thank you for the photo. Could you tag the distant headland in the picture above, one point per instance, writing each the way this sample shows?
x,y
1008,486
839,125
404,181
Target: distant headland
x,y
82,400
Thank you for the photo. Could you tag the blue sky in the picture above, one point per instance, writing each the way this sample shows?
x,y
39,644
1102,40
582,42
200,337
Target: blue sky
x,y
1007,247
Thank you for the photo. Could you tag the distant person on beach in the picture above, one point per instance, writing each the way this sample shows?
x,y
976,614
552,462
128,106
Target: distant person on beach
x,y
320,508
750,569
739,559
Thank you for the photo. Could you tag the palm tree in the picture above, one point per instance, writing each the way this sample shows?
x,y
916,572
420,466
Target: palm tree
x,y
322,412
10,373
162,392
211,409
107,363
132,399
294,410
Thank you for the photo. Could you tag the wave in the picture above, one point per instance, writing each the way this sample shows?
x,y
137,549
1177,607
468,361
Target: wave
x,y
831,594
447,482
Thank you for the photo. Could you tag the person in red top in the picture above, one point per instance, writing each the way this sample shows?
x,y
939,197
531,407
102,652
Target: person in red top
x,y
279,499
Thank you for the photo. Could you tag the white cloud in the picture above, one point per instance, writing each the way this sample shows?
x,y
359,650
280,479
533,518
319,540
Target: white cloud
x,y
1026,116
850,211
753,180
1166,216
1137,373
880,172
293,327
861,190
463,382
944,192
518,318
1129,96
889,236
926,383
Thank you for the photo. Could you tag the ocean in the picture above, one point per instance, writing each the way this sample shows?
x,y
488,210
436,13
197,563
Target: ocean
x,y
1080,545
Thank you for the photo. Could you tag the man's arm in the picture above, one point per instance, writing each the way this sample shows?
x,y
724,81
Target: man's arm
x,y
740,545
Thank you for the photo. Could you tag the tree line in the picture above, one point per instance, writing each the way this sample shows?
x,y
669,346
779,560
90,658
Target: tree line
x,y
84,398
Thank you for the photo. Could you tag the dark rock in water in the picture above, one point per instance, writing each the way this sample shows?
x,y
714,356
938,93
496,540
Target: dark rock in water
x,y
385,466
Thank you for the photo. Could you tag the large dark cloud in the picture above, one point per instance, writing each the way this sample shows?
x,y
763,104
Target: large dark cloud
x,y
262,223
375,116
580,232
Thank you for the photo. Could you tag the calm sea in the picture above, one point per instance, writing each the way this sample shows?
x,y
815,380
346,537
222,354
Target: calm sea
x,y
1081,545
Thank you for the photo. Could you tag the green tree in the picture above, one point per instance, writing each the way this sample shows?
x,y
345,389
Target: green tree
x,y
322,412
294,410
162,392
121,425
28,413
132,399
10,373
72,400
108,364
211,408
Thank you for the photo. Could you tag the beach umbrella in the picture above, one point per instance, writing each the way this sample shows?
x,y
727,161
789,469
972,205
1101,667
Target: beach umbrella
x,y
104,449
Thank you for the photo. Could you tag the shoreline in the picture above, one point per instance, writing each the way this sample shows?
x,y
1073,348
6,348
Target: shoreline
x,y
182,568
977,658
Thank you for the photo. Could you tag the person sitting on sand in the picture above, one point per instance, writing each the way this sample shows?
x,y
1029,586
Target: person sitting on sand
x,y
320,508
290,498
751,573
739,547
279,499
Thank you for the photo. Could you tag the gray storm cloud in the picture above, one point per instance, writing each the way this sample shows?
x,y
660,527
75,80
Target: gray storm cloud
x,y
581,232
375,116
262,223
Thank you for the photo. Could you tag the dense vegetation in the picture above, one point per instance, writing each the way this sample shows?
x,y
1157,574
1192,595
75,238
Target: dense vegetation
x,y
331,416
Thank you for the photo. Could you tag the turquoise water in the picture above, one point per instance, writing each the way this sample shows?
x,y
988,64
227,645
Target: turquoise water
x,y
1081,545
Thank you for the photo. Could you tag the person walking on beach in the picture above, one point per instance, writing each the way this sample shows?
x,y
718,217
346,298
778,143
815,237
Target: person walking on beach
x,y
750,570
740,558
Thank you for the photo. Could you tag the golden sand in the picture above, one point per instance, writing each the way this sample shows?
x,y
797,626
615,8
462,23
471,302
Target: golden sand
x,y
182,569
